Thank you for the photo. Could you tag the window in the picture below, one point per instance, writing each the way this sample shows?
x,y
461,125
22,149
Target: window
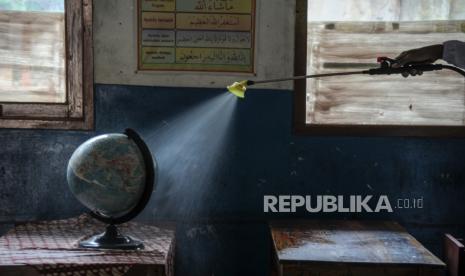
x,y
46,66
338,36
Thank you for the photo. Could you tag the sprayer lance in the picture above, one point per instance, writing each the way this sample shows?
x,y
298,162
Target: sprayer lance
x,y
386,68
251,82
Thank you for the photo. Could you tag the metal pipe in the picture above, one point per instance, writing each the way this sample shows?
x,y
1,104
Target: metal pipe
x,y
386,68
250,82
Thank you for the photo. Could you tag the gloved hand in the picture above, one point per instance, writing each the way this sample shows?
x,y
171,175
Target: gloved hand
x,y
428,54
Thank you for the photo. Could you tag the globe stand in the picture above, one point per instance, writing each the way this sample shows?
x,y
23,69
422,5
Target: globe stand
x,y
111,239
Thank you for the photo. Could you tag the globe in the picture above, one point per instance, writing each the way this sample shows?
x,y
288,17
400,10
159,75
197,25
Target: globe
x,y
113,176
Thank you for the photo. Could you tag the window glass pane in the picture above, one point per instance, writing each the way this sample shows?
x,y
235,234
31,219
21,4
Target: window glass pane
x,y
435,98
385,10
352,36
33,5
32,51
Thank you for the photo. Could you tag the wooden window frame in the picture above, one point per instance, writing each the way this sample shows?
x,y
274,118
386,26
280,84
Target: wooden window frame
x,y
300,127
77,112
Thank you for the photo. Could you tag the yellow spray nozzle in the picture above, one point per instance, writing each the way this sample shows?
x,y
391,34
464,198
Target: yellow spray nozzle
x,y
238,88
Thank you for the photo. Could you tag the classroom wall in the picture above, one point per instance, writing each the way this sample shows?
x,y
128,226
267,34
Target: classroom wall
x,y
222,228
222,225
115,40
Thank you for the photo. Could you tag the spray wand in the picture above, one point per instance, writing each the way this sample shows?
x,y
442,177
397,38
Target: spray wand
x,y
386,68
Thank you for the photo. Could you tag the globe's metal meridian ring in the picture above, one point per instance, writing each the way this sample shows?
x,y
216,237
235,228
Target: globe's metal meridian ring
x,y
150,168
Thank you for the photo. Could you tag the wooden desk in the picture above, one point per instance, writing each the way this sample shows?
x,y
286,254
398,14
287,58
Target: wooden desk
x,y
46,248
359,248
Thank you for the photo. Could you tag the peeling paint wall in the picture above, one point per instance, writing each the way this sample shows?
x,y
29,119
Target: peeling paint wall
x,y
262,157
115,36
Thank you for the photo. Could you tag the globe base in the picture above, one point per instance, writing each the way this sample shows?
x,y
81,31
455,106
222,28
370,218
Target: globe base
x,y
111,239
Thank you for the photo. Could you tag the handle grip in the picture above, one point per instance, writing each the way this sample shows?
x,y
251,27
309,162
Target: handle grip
x,y
415,69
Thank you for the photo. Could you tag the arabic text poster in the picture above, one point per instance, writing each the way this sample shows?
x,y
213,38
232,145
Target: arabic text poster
x,y
196,35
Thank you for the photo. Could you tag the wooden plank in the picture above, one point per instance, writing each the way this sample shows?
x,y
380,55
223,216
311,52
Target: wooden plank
x,y
74,41
344,247
88,66
35,110
454,252
43,123
300,67
435,99
341,269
